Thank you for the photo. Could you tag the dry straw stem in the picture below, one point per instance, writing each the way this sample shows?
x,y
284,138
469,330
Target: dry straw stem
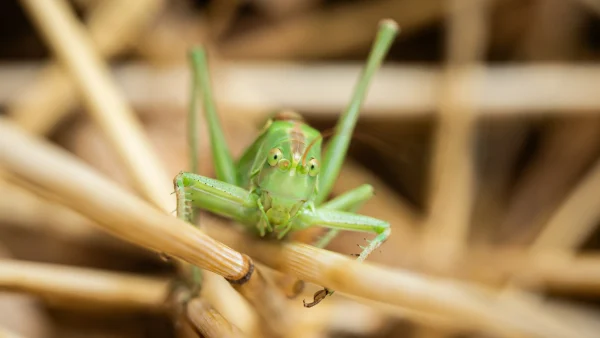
x,y
591,4
464,303
72,46
69,285
558,270
575,219
258,88
133,220
119,212
74,49
567,150
303,36
123,215
6,333
563,272
452,182
338,316
221,15
568,147
268,303
218,292
23,208
210,323
453,178
577,315
424,318
112,25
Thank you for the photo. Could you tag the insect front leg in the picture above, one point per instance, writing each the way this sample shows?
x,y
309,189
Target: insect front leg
x,y
354,222
340,220
221,198
264,224
349,201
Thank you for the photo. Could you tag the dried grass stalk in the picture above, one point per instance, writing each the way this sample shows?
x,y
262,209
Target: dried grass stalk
x,y
563,272
70,285
218,292
453,178
120,213
113,25
269,304
135,221
466,304
5,333
567,150
23,208
575,219
127,217
258,88
558,270
72,46
209,322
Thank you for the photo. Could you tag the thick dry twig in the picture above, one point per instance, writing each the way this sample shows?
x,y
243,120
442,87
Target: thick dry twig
x,y
122,214
119,212
209,322
268,303
84,287
461,302
219,293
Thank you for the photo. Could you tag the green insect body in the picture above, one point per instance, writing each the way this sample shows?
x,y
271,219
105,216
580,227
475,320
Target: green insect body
x,y
279,184
281,171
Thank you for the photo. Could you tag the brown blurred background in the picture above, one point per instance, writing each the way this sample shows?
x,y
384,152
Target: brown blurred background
x,y
481,133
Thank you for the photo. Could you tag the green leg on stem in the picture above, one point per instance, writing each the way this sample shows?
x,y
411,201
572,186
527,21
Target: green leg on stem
x,y
349,201
336,153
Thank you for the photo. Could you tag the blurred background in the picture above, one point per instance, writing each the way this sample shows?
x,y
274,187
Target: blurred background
x,y
480,134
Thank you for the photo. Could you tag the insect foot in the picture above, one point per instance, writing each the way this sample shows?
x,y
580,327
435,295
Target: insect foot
x,y
317,298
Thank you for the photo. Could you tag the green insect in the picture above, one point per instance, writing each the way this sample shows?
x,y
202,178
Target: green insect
x,y
280,183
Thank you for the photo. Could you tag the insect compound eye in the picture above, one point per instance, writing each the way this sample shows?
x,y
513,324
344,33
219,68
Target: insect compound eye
x,y
275,155
313,167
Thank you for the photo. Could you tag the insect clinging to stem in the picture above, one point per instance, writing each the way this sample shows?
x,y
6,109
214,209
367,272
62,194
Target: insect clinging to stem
x,y
280,183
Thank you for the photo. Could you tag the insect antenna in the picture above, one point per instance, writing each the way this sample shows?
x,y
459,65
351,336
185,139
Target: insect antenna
x,y
366,138
323,135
